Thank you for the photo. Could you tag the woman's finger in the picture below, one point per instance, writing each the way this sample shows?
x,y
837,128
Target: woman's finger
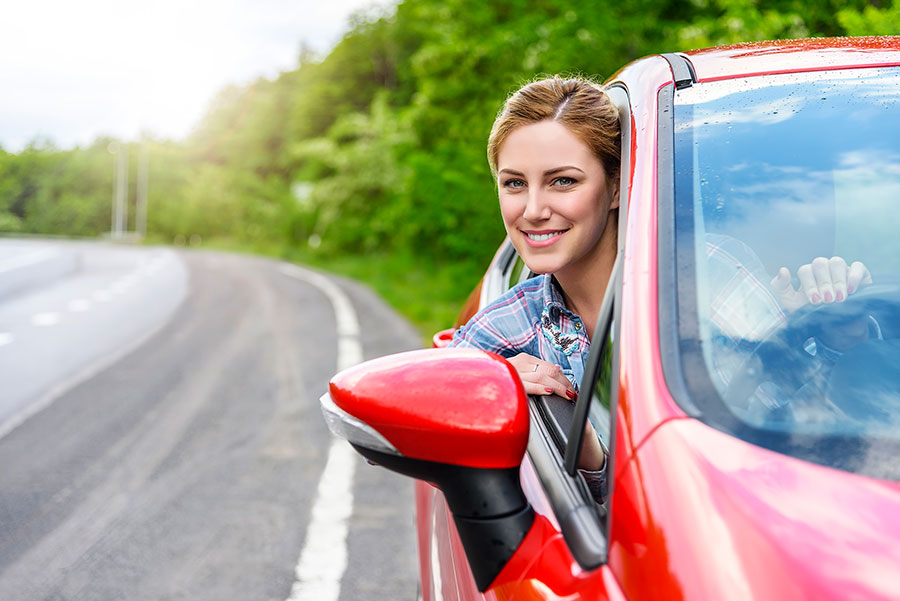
x,y
822,273
808,284
857,275
541,377
789,298
837,266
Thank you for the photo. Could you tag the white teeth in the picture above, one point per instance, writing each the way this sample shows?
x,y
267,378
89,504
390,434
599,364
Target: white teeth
x,y
540,237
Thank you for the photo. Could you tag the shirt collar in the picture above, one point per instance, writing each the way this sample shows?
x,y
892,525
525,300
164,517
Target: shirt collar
x,y
554,303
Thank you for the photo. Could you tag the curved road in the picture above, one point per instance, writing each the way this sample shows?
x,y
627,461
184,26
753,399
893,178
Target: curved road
x,y
166,443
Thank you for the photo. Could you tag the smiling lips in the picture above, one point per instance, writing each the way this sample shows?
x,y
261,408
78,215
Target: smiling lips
x,y
542,237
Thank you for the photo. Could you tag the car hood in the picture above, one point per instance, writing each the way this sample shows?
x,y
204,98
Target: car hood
x,y
741,522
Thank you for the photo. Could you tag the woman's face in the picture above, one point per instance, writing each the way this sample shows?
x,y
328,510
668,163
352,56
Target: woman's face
x,y
554,197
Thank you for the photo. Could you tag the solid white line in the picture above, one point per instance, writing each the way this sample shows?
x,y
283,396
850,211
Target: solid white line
x,y
323,559
26,259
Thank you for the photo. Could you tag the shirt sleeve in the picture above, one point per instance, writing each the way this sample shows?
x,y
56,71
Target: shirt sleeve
x,y
480,333
597,482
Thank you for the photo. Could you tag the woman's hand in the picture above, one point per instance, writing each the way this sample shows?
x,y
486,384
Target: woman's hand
x,y
542,377
821,281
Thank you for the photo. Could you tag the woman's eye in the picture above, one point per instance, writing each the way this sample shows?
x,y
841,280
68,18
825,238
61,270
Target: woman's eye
x,y
514,184
564,182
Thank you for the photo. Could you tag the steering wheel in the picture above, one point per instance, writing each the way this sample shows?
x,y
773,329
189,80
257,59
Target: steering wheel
x,y
782,359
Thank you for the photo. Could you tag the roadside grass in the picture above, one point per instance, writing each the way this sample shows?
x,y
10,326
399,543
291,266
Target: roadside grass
x,y
427,293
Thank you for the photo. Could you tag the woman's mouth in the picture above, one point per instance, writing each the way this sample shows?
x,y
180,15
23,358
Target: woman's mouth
x,y
542,237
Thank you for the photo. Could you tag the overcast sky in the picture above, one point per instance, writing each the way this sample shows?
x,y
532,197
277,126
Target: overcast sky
x,y
71,70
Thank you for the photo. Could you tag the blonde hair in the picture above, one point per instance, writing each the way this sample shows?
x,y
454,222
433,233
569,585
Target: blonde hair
x,y
578,104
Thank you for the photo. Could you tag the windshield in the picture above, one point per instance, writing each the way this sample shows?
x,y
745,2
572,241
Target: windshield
x,y
772,173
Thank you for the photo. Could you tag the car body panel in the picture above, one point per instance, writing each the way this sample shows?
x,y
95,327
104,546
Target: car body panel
x,y
790,56
641,377
736,506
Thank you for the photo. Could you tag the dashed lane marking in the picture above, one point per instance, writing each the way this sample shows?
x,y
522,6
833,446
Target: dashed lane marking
x,y
45,319
79,305
323,559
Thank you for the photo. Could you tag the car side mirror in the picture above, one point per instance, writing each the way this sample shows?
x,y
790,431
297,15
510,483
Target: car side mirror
x,y
455,417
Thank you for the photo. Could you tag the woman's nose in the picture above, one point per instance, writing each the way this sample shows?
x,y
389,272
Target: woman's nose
x,y
536,207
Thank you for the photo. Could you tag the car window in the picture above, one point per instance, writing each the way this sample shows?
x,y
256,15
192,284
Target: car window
x,y
770,173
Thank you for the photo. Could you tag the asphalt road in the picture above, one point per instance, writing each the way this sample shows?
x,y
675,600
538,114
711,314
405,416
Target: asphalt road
x,y
177,455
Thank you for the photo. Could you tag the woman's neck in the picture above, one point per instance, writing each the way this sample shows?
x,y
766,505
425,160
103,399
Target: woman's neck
x,y
583,284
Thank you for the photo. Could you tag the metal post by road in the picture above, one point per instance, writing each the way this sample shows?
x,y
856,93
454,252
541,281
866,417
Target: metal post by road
x,y
113,148
140,219
122,192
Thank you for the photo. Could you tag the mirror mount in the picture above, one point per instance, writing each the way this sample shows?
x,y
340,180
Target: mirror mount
x,y
491,513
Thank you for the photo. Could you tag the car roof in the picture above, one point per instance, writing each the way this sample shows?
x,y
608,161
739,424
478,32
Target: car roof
x,y
792,56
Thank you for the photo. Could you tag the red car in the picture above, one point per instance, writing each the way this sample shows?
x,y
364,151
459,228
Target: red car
x,y
754,449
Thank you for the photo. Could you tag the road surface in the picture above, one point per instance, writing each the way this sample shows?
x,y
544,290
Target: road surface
x,y
160,431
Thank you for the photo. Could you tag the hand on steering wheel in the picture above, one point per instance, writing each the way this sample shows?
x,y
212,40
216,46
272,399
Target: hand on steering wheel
x,y
821,281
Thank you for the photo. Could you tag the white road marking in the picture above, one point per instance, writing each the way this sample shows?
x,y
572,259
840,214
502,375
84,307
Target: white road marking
x,y
6,338
26,259
323,559
45,319
17,419
79,305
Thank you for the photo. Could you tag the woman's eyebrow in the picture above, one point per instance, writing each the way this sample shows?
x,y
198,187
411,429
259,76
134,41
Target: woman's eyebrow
x,y
511,172
565,168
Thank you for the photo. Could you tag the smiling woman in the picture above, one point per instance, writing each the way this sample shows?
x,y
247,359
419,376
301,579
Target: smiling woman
x,y
554,151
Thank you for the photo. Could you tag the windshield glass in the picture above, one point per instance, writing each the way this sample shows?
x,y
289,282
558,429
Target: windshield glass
x,y
797,175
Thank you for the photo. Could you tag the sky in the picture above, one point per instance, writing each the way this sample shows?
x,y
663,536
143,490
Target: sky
x,y
73,70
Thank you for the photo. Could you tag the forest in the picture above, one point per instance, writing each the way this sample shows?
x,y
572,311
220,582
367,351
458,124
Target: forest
x,y
370,161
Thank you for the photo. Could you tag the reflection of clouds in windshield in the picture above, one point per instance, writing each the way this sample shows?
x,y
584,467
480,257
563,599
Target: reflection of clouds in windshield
x,y
870,161
771,111
774,99
878,82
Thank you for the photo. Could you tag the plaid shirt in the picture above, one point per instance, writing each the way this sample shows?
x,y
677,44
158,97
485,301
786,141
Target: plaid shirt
x,y
530,318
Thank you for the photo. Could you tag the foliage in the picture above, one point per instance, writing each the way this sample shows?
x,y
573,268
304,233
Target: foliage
x,y
377,150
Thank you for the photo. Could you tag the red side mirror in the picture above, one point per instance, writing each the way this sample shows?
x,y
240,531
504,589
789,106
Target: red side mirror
x,y
456,406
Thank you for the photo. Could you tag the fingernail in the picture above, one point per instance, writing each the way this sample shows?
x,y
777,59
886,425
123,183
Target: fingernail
x,y
839,296
549,390
828,297
571,394
816,299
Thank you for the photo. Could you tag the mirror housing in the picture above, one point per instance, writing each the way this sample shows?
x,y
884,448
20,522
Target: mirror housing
x,y
455,417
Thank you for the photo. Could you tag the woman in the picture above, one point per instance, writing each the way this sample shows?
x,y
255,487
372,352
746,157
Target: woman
x,y
554,152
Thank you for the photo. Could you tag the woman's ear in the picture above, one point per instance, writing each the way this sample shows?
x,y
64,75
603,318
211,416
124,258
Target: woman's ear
x,y
614,194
